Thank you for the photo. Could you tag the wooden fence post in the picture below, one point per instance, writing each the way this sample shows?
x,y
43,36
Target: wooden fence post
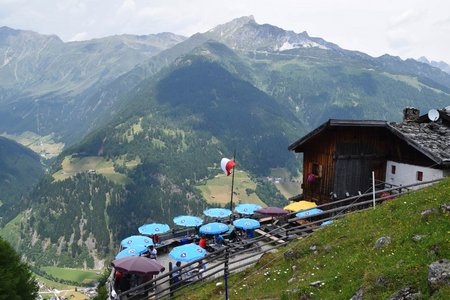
x,y
170,280
225,273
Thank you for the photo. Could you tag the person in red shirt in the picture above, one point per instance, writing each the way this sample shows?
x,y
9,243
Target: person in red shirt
x,y
155,239
202,242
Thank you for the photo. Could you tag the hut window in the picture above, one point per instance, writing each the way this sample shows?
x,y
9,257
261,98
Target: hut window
x,y
419,176
317,170
393,169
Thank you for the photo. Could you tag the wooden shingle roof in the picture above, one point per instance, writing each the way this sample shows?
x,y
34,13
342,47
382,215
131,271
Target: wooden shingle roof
x,y
432,139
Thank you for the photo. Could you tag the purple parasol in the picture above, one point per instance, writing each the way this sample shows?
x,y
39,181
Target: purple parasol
x,y
137,265
271,211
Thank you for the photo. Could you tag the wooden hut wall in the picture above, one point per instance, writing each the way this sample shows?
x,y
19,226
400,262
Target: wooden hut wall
x,y
400,151
321,150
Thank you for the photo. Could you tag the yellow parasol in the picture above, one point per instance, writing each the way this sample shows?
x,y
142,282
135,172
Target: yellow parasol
x,y
301,205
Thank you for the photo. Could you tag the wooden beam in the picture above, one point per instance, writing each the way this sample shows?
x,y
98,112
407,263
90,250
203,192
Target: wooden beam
x,y
273,238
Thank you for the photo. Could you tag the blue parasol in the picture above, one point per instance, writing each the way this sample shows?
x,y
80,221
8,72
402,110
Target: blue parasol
x,y
214,228
154,228
326,223
246,223
217,212
187,253
188,221
134,240
247,208
132,251
308,213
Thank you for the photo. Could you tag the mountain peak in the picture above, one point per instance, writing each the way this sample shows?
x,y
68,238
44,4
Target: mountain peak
x,y
423,59
233,25
24,35
239,22
245,34
438,64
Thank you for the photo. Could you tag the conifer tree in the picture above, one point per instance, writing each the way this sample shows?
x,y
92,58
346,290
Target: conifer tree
x,y
16,281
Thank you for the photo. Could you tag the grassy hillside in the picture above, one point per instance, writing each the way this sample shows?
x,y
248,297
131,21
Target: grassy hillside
x,y
343,257
218,189
71,166
288,185
76,275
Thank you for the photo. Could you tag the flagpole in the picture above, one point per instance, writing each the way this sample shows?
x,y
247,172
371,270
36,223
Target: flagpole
x,y
232,181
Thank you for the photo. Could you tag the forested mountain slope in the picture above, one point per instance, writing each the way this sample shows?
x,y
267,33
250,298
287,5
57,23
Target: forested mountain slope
x,y
20,169
178,128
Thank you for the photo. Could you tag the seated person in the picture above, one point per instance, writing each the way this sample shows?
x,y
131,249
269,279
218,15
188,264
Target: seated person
x,y
176,276
155,239
219,240
118,280
232,236
153,253
185,240
124,283
202,242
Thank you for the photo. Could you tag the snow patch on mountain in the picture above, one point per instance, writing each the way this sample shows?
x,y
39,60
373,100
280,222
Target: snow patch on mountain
x,y
289,46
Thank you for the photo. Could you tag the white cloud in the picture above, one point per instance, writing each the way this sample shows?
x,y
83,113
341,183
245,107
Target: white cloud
x,y
127,7
80,36
400,39
408,16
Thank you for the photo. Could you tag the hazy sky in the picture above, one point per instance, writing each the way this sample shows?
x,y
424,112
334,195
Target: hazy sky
x,y
406,28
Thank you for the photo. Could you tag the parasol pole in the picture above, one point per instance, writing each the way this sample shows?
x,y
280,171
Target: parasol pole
x,y
373,188
232,181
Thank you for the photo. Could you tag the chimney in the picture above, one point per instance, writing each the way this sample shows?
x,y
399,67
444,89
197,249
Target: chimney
x,y
410,114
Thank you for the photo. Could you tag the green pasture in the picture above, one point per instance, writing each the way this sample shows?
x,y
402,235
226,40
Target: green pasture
x,y
53,284
45,146
288,187
134,129
62,290
75,275
218,189
10,231
73,165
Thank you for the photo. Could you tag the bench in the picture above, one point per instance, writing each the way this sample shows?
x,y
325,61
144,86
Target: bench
x,y
264,220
